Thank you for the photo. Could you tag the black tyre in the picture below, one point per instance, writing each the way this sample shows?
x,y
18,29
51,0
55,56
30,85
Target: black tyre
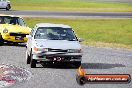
x,y
78,64
33,62
28,59
1,40
81,80
8,7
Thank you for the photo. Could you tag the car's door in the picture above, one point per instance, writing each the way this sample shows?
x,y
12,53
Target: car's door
x,y
30,38
3,3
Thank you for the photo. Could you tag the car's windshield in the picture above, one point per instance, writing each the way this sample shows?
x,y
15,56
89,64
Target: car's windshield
x,y
55,33
11,20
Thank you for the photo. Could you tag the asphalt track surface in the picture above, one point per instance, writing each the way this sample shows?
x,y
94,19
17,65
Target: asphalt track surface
x,y
95,61
29,13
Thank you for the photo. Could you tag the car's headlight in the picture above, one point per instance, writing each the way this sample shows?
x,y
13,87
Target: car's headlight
x,y
5,31
40,49
74,51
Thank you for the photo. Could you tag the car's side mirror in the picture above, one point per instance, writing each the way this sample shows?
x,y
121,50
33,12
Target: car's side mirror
x,y
80,40
28,36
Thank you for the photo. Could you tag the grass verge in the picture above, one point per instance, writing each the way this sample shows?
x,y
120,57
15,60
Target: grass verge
x,y
71,5
96,32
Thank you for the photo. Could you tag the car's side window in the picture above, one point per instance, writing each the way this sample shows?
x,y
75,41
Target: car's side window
x,y
21,22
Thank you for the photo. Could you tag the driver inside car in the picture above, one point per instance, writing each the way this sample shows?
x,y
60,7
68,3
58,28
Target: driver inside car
x,y
1,21
13,22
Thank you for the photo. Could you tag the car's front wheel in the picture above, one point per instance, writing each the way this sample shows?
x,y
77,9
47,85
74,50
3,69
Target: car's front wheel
x,y
33,62
28,58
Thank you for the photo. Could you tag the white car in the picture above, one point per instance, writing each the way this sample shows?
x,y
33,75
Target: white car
x,y
5,4
53,43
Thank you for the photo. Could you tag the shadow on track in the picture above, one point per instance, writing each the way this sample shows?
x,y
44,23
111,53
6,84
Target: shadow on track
x,y
58,65
100,65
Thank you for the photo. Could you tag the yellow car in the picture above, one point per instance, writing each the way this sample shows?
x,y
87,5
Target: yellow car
x,y
13,29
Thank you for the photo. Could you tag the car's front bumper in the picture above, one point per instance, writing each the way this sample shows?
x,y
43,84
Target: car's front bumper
x,y
66,57
9,38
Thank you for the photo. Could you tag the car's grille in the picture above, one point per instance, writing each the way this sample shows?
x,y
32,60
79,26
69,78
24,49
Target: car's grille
x,y
18,34
57,50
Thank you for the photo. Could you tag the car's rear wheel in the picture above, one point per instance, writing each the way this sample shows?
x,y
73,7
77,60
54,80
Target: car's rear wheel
x,y
8,7
28,58
1,40
33,62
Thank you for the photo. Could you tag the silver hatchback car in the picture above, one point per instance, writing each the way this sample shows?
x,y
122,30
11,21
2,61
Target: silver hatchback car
x,y
53,43
5,4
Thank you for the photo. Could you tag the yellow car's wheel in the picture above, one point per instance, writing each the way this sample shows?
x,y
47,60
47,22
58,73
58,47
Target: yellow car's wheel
x,y
1,40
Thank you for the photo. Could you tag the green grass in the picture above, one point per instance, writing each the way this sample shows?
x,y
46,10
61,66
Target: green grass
x,y
70,5
96,32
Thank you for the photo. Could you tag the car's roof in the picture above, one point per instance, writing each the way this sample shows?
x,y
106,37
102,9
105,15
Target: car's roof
x,y
52,25
8,15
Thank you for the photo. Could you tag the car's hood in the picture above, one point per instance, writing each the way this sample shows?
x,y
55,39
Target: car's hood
x,y
57,44
15,28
